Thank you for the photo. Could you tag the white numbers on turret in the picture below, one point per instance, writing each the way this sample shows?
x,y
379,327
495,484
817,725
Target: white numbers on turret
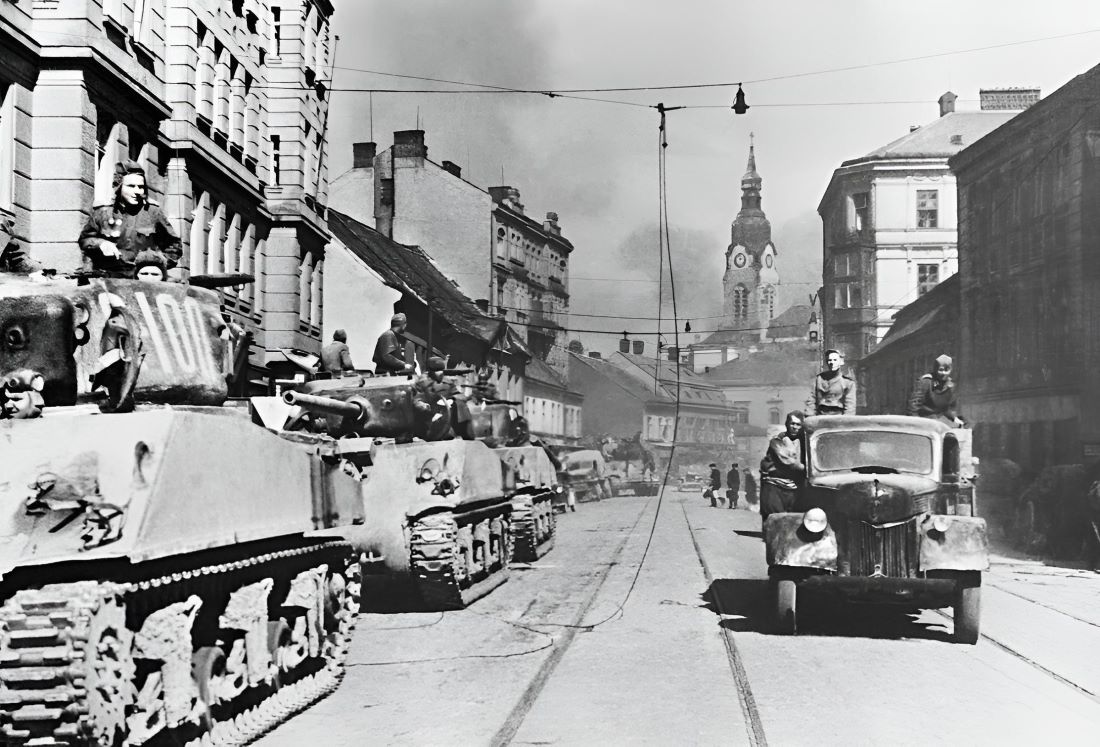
x,y
179,335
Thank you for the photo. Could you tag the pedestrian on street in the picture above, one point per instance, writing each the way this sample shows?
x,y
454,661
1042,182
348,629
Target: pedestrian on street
x,y
781,470
733,484
715,485
750,488
336,356
388,352
117,232
833,392
934,395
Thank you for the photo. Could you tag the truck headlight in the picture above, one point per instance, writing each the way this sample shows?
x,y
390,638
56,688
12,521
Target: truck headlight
x,y
815,521
940,523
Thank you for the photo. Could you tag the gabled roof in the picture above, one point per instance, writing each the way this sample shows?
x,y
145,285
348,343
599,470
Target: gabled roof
x,y
633,385
410,269
540,371
694,389
936,139
776,364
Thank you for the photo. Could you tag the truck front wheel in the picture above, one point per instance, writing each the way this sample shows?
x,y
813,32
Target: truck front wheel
x,y
786,606
968,610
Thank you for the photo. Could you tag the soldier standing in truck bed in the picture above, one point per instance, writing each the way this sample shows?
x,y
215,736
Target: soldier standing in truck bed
x,y
117,232
934,395
832,392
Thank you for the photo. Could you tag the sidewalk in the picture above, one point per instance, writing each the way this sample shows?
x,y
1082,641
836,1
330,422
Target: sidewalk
x,y
1072,591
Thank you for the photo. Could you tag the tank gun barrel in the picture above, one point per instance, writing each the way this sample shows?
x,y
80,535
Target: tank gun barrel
x,y
326,405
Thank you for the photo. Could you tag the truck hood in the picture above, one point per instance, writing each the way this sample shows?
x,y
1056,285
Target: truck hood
x,y
873,498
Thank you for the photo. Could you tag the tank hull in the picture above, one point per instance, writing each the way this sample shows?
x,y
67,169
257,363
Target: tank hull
x,y
533,517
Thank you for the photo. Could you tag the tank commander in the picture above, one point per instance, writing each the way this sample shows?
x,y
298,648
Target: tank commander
x,y
151,266
336,356
781,469
388,360
934,396
116,233
435,394
833,392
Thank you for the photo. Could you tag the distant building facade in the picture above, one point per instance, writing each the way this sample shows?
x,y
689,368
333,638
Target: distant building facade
x,y
186,89
552,408
1028,233
751,276
482,239
890,227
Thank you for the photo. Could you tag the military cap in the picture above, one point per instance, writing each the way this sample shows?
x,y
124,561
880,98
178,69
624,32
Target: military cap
x,y
397,319
151,257
435,363
943,360
124,169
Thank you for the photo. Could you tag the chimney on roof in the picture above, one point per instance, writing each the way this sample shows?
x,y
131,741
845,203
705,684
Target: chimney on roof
x,y
452,167
362,155
507,196
483,304
1007,99
550,225
594,354
674,354
409,144
947,103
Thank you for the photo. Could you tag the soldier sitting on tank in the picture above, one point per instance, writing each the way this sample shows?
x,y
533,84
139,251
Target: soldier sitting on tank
x,y
485,391
781,469
117,232
388,360
434,396
935,396
336,356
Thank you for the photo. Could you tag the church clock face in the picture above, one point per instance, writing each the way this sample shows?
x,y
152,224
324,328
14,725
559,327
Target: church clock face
x,y
739,260
769,260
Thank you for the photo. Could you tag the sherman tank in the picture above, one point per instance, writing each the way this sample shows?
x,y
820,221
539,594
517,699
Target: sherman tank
x,y
443,513
169,571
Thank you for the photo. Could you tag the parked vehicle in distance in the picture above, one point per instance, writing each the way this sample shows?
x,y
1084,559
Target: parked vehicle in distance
x,y
690,482
585,473
887,513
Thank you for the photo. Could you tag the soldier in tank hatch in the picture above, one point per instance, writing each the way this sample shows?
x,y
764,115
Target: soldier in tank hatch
x,y
935,396
832,392
388,351
151,266
116,233
336,356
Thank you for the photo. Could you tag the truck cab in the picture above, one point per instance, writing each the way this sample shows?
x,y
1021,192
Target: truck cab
x,y
886,513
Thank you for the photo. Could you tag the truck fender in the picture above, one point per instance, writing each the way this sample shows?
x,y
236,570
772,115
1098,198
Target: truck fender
x,y
960,543
787,543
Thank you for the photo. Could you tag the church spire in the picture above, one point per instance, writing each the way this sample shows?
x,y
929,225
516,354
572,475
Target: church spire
x,y
751,182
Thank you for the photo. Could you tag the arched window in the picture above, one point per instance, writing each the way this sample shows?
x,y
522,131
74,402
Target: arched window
x,y
767,302
740,303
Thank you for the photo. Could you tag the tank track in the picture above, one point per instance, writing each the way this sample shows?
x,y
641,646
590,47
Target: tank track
x,y
533,526
67,657
448,551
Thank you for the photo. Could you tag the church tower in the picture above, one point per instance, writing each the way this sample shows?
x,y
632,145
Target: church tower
x,y
749,283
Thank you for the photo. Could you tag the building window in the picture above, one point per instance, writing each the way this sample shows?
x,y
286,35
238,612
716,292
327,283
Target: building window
x,y
927,208
7,147
740,303
861,205
275,158
775,416
928,276
277,30
767,302
848,296
845,265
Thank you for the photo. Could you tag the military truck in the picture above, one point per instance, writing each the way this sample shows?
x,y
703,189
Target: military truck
x,y
887,512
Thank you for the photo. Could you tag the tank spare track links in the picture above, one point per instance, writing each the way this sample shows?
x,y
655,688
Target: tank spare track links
x,y
458,557
533,525
69,664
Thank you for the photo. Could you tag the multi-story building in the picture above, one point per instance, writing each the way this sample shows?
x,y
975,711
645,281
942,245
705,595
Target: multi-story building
x,y
1028,232
531,274
482,239
552,408
188,90
889,222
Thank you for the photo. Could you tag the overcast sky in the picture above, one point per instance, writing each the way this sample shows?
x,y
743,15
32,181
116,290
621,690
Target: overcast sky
x,y
595,164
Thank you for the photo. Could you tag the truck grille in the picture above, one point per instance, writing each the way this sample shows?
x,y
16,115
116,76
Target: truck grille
x,y
883,550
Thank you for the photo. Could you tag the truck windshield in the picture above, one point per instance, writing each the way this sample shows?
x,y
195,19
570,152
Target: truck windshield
x,y
872,451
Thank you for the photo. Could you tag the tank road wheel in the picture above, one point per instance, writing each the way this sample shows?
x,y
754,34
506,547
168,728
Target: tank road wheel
x,y
786,606
207,669
968,608
278,644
